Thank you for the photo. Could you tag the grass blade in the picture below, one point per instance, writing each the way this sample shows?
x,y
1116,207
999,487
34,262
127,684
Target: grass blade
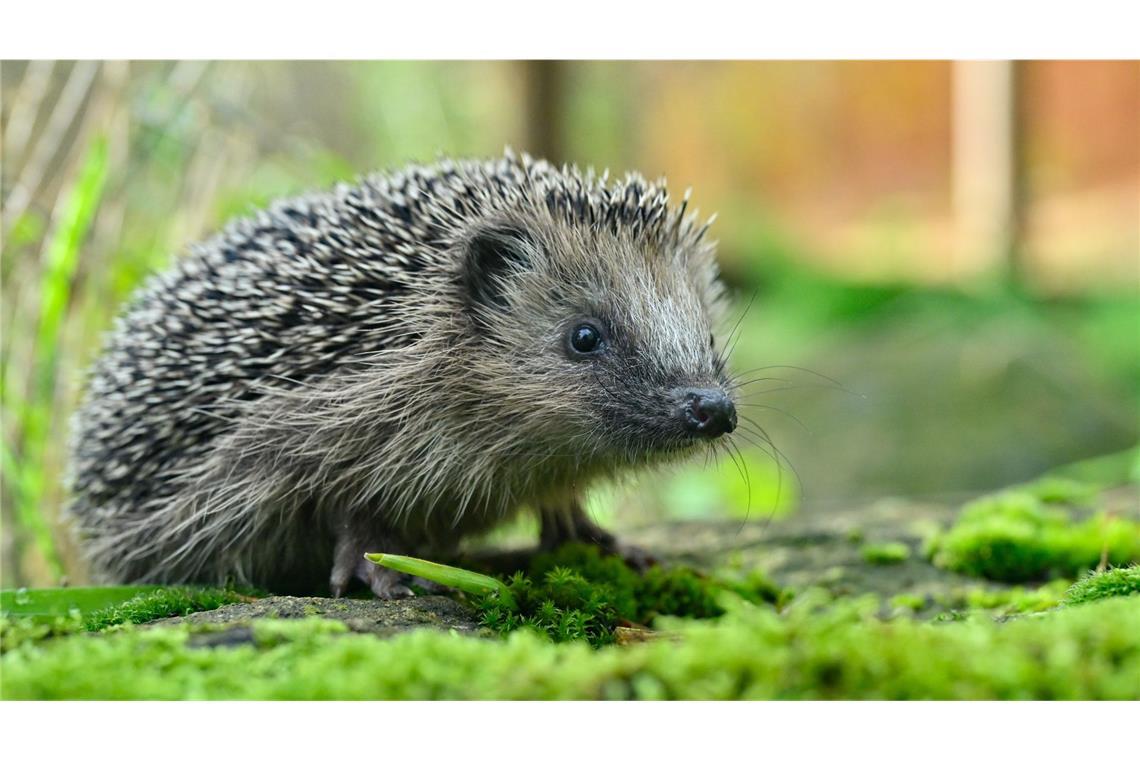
x,y
455,577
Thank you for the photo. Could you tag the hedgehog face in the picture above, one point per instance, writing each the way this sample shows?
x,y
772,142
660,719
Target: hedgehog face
x,y
608,336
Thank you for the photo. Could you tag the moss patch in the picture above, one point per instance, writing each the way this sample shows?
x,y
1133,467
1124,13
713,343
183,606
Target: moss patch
x,y
25,631
1005,601
841,651
909,602
1121,581
144,607
576,593
163,603
1026,534
890,553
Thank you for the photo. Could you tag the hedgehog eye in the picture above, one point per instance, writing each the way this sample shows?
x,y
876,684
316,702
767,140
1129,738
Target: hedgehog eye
x,y
585,338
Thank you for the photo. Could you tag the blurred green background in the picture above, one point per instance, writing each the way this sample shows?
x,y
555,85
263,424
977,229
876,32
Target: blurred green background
x,y
953,247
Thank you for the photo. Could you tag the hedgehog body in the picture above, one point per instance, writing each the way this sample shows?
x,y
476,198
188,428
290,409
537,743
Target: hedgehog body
x,y
392,365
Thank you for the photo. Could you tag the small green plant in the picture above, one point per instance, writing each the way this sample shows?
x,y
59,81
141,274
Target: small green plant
x,y
577,593
1120,581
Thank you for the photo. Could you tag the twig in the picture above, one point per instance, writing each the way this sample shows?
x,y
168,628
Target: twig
x,y
71,100
25,111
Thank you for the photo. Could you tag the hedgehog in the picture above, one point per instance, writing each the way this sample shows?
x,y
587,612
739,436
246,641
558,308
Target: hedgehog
x,y
396,364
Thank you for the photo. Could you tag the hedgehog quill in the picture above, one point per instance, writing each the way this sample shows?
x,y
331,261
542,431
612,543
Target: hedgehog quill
x,y
395,364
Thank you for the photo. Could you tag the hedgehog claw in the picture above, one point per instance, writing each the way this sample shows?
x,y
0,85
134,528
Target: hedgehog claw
x,y
385,584
349,563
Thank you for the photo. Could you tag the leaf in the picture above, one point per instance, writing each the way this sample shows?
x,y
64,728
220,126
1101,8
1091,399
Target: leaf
x,y
49,603
456,577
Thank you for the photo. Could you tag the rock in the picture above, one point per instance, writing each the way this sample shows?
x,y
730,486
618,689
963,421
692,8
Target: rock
x,y
371,616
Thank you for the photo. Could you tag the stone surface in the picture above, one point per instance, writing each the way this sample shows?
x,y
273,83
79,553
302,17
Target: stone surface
x,y
359,615
816,548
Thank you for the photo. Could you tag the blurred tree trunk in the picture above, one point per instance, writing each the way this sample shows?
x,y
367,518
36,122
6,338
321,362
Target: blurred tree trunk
x,y
989,190
544,109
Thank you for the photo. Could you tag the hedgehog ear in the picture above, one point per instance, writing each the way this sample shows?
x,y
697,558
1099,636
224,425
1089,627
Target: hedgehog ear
x,y
493,255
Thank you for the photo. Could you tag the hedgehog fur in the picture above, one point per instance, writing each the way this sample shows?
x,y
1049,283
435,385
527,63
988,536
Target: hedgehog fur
x,y
385,367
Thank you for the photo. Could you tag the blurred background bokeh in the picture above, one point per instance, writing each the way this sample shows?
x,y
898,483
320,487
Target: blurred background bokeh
x,y
938,262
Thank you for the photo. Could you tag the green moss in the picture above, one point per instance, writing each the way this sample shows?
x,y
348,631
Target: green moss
x,y
911,602
1017,536
162,603
755,586
842,651
24,631
1121,581
891,553
1000,602
577,593
1054,490
17,630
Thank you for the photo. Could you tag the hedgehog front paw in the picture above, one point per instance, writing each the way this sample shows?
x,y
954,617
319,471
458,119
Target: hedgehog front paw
x,y
385,584
349,563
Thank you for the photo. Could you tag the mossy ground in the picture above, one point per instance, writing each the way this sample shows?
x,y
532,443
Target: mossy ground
x,y
730,630
813,646
816,648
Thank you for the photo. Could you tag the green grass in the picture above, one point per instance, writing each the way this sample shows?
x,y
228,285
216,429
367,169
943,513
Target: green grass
x,y
841,651
29,405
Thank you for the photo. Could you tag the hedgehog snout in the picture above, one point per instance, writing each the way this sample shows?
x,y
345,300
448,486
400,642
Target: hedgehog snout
x,y
705,412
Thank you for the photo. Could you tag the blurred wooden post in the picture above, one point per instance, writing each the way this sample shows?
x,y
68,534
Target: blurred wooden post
x,y
544,109
988,192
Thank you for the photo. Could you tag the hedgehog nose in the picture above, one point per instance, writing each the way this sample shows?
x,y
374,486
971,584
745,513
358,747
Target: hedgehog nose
x,y
707,412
